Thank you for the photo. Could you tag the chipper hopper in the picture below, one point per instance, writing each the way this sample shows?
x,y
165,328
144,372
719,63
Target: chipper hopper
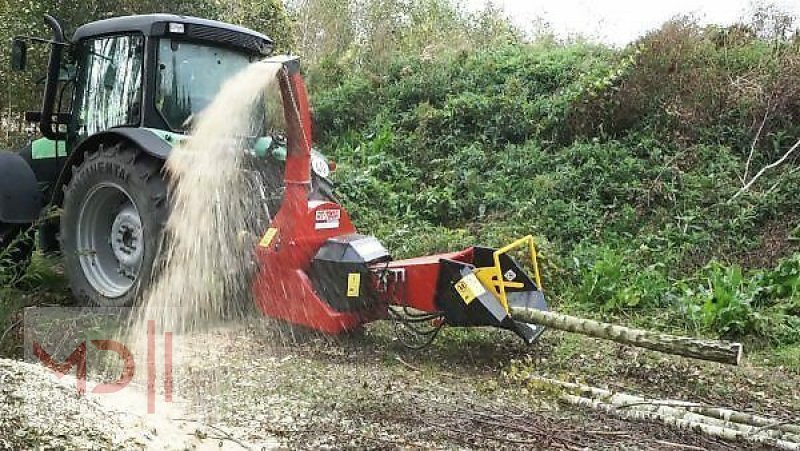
x,y
317,271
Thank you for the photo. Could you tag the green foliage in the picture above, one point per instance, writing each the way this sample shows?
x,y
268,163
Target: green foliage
x,y
730,303
501,96
613,282
43,275
693,84
782,284
725,304
371,34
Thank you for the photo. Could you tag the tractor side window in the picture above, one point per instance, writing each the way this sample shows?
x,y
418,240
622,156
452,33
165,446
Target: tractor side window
x,y
113,80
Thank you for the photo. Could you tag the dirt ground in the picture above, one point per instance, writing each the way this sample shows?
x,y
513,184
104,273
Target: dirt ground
x,y
259,384
264,384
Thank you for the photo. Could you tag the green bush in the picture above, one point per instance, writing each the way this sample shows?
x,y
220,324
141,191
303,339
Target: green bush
x,y
695,84
725,303
783,283
613,282
763,304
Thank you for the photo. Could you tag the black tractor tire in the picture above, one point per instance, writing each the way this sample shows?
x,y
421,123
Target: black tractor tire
x,y
16,248
109,253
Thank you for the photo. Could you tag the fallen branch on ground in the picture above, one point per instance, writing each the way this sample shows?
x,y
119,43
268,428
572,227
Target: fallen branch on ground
x,y
730,421
680,445
681,423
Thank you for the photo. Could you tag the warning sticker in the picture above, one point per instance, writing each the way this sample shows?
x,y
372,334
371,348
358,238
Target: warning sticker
x,y
327,219
469,288
353,284
268,237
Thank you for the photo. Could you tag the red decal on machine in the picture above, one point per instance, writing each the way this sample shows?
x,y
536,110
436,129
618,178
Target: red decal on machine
x,y
328,219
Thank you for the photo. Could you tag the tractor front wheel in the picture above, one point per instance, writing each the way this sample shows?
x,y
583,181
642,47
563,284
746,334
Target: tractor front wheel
x,y
115,207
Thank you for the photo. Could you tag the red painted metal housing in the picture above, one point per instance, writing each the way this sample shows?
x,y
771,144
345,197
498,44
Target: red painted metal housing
x,y
282,289
414,279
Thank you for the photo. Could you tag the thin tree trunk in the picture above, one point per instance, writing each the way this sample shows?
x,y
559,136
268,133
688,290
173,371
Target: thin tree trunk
x,y
748,418
681,423
713,416
712,350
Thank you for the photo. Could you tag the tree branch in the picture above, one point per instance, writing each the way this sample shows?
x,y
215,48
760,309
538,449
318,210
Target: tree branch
x,y
753,145
765,169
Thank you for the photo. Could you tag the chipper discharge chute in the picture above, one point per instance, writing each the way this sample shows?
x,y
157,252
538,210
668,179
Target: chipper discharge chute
x,y
316,270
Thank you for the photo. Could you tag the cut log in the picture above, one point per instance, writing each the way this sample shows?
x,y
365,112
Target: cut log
x,y
680,423
712,350
696,413
748,418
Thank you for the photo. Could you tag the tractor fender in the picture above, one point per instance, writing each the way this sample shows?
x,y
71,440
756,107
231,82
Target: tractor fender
x,y
20,199
149,142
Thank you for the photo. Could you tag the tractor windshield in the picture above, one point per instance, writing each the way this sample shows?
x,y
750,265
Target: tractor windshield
x,y
189,76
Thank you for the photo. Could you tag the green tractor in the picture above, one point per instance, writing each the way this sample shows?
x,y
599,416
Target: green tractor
x,y
117,97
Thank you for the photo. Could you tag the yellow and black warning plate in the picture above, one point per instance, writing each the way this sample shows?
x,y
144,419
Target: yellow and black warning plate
x,y
268,237
353,284
469,288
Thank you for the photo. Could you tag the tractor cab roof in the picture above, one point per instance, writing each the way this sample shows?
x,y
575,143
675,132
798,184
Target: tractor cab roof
x,y
185,27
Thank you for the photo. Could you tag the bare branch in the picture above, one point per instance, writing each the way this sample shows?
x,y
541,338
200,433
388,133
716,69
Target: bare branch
x,y
753,145
765,169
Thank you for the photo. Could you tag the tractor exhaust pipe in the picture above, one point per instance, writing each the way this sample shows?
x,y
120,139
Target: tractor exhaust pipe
x,y
46,124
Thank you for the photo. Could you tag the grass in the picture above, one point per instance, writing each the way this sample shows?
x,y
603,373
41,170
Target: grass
x,y
318,381
787,356
42,284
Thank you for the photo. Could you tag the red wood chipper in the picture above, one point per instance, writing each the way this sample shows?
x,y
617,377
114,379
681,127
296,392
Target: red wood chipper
x,y
317,271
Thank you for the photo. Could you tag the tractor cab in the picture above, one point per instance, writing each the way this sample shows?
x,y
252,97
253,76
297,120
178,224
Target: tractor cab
x,y
154,71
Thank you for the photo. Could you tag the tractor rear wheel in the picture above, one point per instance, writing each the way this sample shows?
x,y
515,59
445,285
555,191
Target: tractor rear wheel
x,y
16,247
115,207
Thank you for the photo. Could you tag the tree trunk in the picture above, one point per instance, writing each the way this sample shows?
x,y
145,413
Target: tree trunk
x,y
712,350
681,423
742,422
748,418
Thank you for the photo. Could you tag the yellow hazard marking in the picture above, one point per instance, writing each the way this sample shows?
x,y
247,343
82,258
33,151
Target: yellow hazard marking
x,y
469,288
490,279
268,237
353,284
